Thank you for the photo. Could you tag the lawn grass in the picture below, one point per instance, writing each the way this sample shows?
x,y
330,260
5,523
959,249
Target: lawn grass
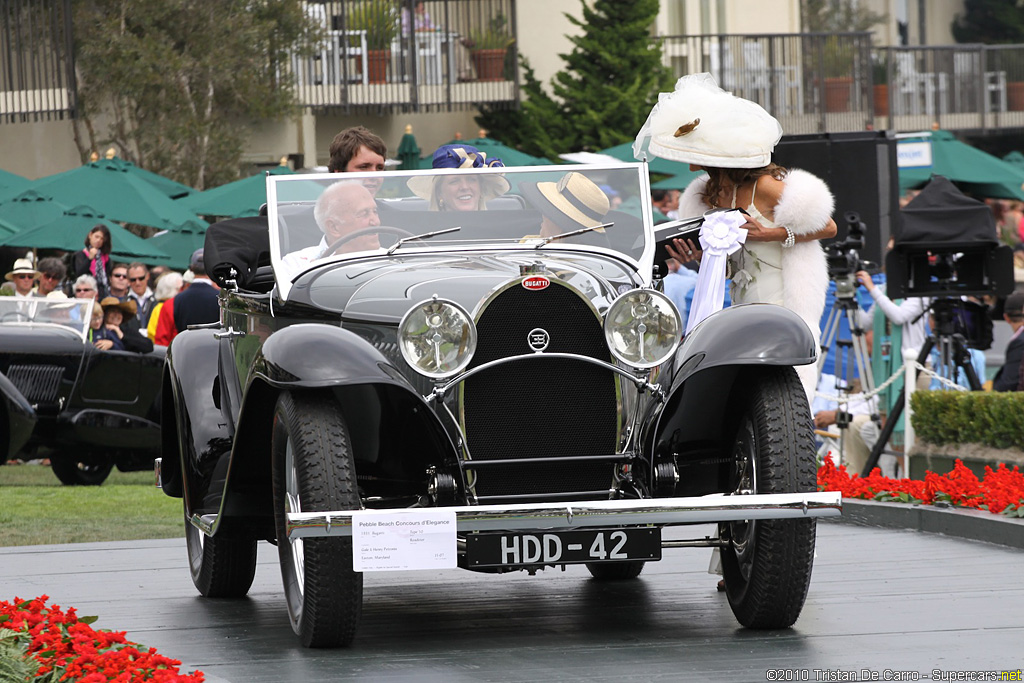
x,y
36,509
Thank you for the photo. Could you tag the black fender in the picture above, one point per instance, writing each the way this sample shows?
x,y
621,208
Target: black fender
x,y
194,430
17,415
395,434
710,368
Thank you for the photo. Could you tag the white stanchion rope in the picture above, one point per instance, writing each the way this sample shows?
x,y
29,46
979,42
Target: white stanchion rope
x,y
845,399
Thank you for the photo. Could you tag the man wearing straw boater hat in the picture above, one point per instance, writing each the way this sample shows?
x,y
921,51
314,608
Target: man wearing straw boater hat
x,y
23,277
572,203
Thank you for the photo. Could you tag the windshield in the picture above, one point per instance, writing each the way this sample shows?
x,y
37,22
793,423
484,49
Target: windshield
x,y
71,315
323,218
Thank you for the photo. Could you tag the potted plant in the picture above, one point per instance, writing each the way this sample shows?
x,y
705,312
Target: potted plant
x,y
838,63
379,18
880,85
488,48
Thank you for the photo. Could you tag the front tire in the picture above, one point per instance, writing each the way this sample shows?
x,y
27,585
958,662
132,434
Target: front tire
x,y
767,563
221,567
314,471
92,470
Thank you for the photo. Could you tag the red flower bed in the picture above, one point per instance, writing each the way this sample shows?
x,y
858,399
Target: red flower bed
x,y
56,645
1001,491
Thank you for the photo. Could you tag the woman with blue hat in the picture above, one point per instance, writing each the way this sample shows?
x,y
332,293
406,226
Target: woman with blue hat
x,y
460,192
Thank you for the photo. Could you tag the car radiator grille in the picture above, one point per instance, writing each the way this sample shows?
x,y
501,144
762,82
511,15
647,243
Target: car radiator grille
x,y
557,408
37,383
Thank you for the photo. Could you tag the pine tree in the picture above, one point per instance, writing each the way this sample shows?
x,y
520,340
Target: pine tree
x,y
612,79
613,74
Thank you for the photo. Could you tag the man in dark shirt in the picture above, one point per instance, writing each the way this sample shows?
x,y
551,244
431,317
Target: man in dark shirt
x,y
194,306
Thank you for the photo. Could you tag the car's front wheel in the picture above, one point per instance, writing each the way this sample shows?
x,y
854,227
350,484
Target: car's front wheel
x,y
89,470
221,566
314,471
767,563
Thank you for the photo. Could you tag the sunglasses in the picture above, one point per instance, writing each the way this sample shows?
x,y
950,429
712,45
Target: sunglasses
x,y
119,275
24,277
85,289
136,279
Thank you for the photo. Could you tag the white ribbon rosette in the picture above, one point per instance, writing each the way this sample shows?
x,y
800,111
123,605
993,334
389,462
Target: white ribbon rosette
x,y
720,236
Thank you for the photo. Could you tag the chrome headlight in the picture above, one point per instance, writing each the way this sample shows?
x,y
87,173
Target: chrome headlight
x,y
437,338
642,328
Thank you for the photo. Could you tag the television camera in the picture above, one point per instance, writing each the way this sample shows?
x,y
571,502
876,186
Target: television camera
x,y
843,257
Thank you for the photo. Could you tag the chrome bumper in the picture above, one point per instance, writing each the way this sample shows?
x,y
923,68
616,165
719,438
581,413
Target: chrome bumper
x,y
596,513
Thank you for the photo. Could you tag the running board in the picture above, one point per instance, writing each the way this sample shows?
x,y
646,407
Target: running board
x,y
591,513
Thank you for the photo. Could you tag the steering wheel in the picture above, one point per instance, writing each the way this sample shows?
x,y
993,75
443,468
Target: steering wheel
x,y
376,230
18,315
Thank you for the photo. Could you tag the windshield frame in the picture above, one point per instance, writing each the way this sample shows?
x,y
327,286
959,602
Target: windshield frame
x,y
11,318
284,195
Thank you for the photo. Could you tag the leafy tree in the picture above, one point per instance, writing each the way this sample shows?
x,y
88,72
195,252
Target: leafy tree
x,y
174,83
838,16
990,21
612,79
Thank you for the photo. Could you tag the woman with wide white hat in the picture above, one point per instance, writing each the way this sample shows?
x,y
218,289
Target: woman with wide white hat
x,y
789,210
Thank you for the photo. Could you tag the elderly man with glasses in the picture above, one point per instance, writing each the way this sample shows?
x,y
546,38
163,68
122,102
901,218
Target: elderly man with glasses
x,y
140,293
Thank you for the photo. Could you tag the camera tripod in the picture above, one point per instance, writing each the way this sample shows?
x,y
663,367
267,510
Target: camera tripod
x,y
846,307
953,354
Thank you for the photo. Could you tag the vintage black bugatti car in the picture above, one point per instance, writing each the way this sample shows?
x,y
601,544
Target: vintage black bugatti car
x,y
84,409
482,389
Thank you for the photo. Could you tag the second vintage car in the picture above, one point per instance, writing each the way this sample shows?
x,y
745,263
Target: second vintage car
x,y
85,410
394,385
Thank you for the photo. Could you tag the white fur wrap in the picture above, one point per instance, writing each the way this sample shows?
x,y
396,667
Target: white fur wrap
x,y
805,207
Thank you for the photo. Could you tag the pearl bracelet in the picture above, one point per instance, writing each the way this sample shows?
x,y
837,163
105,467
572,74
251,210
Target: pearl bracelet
x,y
790,239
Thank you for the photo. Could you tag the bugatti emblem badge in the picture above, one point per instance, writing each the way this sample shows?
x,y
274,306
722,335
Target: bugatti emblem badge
x,y
538,339
536,282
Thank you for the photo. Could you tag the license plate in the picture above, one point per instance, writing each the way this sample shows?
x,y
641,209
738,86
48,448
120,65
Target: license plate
x,y
563,547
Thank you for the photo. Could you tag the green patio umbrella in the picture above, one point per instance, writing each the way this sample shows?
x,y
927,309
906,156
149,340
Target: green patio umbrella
x,y
179,245
235,199
408,151
12,182
496,150
28,209
68,230
170,188
110,186
970,169
1014,158
624,152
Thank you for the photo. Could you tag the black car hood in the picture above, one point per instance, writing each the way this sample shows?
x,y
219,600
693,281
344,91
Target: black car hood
x,y
382,290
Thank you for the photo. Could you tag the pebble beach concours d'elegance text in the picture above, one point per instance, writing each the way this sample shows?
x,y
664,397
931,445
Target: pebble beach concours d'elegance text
x,y
891,675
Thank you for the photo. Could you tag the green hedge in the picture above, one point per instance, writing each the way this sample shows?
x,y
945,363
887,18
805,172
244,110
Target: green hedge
x,y
993,419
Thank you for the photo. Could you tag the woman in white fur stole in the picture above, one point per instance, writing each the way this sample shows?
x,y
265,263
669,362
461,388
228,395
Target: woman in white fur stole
x,y
789,211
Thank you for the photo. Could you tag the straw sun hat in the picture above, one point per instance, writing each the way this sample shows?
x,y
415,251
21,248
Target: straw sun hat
x,y
127,307
459,156
699,123
22,267
572,203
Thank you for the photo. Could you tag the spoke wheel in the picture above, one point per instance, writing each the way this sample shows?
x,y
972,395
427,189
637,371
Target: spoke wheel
x,y
90,471
221,567
767,563
314,471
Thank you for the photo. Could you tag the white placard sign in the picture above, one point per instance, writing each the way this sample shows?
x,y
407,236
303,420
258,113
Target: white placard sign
x,y
914,154
403,540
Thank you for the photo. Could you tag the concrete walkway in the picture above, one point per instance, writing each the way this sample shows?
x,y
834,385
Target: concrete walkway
x,y
879,600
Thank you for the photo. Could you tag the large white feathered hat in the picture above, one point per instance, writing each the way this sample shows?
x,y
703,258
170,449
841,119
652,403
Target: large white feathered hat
x,y
699,123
